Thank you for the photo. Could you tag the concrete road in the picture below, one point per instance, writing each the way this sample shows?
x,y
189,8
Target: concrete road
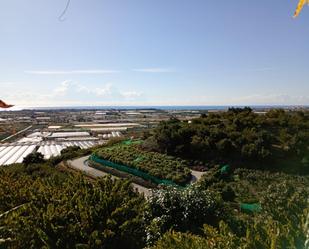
x,y
196,175
81,165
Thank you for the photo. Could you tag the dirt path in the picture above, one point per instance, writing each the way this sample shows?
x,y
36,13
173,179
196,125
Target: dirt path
x,y
81,165
196,175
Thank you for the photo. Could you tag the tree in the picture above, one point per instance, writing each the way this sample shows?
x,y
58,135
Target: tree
x,y
181,209
33,158
72,213
238,137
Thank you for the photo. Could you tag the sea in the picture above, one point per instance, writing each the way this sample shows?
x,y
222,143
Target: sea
x,y
176,107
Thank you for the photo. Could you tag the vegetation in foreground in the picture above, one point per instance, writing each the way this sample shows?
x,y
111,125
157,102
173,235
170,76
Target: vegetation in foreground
x,y
70,212
42,207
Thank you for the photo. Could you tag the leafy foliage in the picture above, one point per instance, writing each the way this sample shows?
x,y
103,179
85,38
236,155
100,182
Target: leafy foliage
x,y
212,239
280,223
73,213
283,198
217,238
41,207
182,210
156,164
33,158
238,136
69,153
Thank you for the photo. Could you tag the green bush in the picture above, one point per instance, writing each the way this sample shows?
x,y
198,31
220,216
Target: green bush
x,y
181,209
267,234
278,140
33,158
68,154
71,213
211,238
283,198
155,164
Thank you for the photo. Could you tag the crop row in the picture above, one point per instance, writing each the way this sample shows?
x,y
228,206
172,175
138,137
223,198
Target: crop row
x,y
153,163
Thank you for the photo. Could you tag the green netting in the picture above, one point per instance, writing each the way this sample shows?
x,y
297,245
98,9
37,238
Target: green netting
x,y
131,171
250,208
130,141
127,142
225,169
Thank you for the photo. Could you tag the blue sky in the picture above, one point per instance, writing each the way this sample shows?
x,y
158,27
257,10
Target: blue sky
x,y
153,52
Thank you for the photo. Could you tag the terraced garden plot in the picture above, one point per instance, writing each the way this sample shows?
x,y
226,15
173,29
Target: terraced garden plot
x,y
152,163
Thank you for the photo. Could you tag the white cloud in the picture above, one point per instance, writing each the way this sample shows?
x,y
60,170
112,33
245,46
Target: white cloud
x,y
97,71
242,70
61,72
7,83
153,70
68,86
211,100
104,91
69,93
131,94
272,99
62,89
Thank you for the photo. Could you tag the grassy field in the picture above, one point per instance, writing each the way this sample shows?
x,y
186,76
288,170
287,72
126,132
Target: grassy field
x,y
155,164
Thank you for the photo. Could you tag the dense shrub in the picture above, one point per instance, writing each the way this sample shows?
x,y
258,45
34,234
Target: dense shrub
x,y
156,164
273,236
41,207
276,140
33,158
283,198
211,239
73,213
68,154
182,210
